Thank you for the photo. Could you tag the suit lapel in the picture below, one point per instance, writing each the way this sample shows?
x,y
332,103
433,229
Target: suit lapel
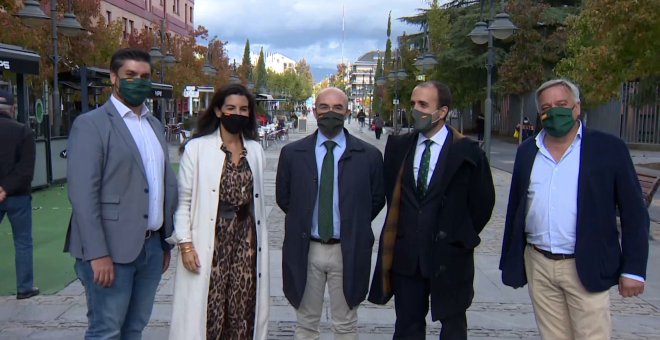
x,y
409,186
120,127
155,125
441,164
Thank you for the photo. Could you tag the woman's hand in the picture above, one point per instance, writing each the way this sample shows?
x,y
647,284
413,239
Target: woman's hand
x,y
189,257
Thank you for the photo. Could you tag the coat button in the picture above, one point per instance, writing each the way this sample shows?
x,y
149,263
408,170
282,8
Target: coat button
x,y
441,235
256,195
259,275
259,248
145,216
213,190
303,235
146,190
259,222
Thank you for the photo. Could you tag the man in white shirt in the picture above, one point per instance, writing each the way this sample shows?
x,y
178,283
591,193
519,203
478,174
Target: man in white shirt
x,y
440,195
123,194
561,233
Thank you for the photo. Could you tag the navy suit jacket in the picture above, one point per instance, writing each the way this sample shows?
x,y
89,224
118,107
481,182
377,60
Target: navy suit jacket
x,y
361,197
607,181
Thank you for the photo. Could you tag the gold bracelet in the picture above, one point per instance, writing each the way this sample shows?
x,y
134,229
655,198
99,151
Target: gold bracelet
x,y
187,250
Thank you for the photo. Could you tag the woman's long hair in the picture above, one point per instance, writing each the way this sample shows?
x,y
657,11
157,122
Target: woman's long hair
x,y
208,122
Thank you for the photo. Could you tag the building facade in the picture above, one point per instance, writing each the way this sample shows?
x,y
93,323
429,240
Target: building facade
x,y
361,77
176,15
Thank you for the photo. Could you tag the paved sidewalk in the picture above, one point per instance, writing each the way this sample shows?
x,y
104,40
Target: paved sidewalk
x,y
498,312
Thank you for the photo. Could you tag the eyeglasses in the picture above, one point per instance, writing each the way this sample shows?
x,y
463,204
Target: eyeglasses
x,y
325,108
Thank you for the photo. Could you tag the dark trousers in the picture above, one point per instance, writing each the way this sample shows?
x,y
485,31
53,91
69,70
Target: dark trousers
x,y
378,131
411,303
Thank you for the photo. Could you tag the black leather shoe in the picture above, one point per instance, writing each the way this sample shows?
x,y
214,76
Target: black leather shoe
x,y
26,295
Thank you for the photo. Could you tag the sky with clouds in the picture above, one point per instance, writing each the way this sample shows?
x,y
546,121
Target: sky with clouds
x,y
310,29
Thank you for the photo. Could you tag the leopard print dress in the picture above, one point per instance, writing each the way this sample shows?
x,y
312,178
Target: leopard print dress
x,y
232,289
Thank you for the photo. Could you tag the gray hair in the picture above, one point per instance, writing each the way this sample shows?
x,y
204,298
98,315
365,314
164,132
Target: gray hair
x,y
572,88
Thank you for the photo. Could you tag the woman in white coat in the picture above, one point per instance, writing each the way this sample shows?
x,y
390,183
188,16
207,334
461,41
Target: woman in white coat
x,y
221,288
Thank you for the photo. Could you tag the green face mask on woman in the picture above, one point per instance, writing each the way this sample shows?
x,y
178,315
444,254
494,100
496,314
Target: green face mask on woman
x,y
135,91
558,121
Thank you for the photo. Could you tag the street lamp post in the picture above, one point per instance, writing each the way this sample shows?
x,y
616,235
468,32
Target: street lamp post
x,y
164,56
426,61
33,16
396,76
501,28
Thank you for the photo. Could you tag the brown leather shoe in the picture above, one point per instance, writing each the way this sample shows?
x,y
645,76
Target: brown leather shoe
x,y
26,295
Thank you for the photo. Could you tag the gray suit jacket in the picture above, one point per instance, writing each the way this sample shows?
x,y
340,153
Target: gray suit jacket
x,y
108,188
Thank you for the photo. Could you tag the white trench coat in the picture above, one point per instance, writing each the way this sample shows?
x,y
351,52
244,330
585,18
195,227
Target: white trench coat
x,y
195,220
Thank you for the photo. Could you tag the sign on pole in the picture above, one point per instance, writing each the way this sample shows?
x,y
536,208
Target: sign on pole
x,y
191,92
39,111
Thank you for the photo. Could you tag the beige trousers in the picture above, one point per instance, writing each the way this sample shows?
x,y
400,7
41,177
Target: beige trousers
x,y
325,266
564,309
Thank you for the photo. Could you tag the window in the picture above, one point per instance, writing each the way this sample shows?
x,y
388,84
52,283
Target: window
x,y
125,27
109,14
185,16
191,9
131,24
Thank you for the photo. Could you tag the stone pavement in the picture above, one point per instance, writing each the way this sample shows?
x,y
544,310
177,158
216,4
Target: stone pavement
x,y
498,312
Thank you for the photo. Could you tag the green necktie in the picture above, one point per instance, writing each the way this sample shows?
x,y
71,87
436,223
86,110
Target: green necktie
x,y
325,192
423,174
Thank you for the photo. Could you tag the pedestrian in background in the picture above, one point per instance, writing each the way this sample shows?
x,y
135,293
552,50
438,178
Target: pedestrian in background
x,y
440,195
361,116
221,287
561,235
321,180
123,194
17,157
378,125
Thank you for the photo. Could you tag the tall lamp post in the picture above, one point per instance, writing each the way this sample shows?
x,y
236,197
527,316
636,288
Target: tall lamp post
x,y
426,61
396,76
32,15
162,55
500,27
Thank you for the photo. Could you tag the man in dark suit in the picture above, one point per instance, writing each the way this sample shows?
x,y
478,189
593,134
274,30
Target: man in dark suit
x,y
440,196
17,155
123,193
330,186
561,232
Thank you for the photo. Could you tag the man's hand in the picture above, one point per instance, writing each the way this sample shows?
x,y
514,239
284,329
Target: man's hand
x,y
630,287
166,260
104,271
3,194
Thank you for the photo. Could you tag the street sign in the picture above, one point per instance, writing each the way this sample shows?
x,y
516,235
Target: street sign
x,y
395,102
39,111
191,92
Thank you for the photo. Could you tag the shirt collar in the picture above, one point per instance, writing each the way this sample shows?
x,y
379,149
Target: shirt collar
x,y
340,139
541,136
123,109
437,138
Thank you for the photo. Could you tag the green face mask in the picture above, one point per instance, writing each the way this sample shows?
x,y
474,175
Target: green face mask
x,y
135,91
558,121
331,123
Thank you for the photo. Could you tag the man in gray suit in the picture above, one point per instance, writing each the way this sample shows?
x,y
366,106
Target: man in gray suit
x,y
123,193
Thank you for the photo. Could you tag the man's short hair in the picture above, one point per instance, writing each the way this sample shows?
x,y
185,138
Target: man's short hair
x,y
444,94
6,101
570,86
124,54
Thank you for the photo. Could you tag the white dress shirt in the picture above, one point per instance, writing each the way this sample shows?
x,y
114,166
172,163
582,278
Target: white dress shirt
x,y
438,141
551,212
153,159
551,216
320,151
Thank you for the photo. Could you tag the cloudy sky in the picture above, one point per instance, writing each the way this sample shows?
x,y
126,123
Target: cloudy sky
x,y
310,29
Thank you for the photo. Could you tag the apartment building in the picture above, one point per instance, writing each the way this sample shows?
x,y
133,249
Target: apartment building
x,y
135,15
361,79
